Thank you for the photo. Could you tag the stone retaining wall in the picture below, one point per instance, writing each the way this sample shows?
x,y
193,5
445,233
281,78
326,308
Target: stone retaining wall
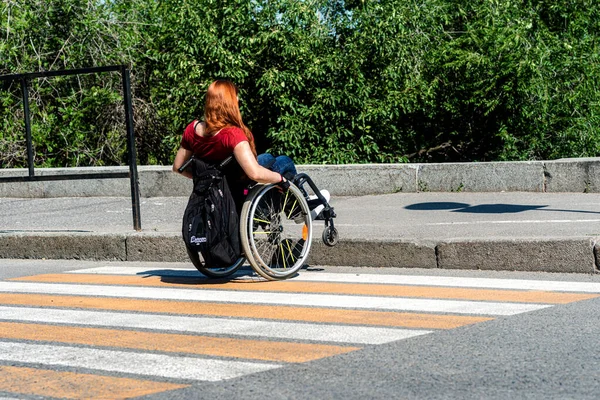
x,y
566,175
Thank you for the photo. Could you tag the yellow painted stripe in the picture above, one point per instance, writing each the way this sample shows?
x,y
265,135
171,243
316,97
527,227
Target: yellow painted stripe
x,y
71,385
305,314
173,343
520,296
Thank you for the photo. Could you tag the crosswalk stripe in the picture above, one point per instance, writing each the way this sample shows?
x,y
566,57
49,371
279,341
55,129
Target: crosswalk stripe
x,y
145,271
216,326
148,364
305,314
310,276
297,299
325,287
165,342
69,385
451,281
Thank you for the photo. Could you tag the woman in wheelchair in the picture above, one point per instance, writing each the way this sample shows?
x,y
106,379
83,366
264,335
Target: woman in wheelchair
x,y
275,217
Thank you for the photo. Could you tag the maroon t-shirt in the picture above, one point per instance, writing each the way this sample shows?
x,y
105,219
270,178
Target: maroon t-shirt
x,y
212,148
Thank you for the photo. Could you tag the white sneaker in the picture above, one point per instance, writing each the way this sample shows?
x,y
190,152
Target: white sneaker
x,y
314,213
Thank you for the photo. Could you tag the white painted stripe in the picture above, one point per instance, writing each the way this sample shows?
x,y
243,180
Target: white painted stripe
x,y
216,326
243,274
522,221
297,299
489,283
176,367
142,271
450,281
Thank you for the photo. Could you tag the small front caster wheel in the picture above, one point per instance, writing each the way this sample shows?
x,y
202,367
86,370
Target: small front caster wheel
x,y
330,236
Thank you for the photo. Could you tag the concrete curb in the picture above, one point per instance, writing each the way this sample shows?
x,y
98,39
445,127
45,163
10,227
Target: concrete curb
x,y
566,175
56,245
575,255
536,255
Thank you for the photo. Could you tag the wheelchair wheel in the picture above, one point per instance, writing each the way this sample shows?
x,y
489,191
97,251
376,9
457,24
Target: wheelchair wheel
x,y
330,236
213,272
276,231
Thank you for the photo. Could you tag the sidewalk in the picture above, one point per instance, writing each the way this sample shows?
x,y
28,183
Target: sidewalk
x,y
553,232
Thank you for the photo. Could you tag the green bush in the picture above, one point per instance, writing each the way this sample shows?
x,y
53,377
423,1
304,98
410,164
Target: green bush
x,y
325,81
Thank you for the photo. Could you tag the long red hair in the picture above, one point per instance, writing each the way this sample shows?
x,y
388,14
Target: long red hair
x,y
222,110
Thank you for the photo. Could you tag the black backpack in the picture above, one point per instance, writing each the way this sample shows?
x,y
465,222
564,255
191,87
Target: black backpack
x,y
210,220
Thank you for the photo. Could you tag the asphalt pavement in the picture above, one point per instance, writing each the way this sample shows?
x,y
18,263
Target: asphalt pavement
x,y
554,232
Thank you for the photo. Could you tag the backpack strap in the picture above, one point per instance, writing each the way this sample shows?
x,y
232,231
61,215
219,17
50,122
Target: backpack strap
x,y
224,163
220,166
195,125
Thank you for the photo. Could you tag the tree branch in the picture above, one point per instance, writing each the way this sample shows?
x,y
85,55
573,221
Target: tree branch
x,y
430,150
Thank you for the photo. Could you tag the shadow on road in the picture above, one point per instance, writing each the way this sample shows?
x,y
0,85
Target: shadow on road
x,y
486,208
194,277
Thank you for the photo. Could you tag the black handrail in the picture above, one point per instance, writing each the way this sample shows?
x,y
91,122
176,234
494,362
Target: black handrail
x,y
131,151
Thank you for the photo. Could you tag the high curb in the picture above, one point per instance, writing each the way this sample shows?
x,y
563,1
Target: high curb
x,y
570,255
564,175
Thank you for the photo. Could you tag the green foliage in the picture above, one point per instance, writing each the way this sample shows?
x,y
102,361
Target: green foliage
x,y
74,121
520,77
324,81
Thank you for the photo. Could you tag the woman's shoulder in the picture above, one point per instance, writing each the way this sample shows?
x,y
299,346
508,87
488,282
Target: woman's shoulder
x,y
232,130
187,140
234,133
191,127
232,136
195,130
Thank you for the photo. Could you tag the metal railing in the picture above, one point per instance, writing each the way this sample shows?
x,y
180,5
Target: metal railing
x,y
131,151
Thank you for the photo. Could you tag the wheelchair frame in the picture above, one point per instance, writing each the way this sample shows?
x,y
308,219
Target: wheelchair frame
x,y
275,229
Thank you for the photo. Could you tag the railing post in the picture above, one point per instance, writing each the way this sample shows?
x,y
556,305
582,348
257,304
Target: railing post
x,y
131,148
133,175
27,126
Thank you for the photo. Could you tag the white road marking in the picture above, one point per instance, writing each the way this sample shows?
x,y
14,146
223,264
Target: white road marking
x,y
142,271
450,281
296,299
528,221
149,364
216,326
489,283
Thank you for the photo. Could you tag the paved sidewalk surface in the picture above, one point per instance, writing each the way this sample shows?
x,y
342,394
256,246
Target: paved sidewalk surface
x,y
496,231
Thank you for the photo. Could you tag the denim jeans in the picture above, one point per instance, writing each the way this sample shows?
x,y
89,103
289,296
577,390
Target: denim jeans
x,y
280,164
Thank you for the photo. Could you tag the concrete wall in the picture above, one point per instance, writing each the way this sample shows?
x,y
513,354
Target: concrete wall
x,y
565,175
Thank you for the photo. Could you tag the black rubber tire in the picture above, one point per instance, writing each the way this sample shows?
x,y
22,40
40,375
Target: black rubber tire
x,y
210,271
330,236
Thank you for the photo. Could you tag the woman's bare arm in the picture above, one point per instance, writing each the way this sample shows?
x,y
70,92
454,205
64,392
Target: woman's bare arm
x,y
253,170
180,158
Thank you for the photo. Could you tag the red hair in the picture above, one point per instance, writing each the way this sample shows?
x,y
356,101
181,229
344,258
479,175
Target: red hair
x,y
222,110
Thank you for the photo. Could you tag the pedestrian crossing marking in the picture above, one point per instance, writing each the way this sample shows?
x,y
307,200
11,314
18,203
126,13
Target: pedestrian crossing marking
x,y
542,297
281,330
175,325
306,314
289,352
179,367
387,279
70,385
276,298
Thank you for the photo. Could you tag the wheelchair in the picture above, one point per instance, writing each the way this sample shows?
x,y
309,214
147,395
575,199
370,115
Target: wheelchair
x,y
276,229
